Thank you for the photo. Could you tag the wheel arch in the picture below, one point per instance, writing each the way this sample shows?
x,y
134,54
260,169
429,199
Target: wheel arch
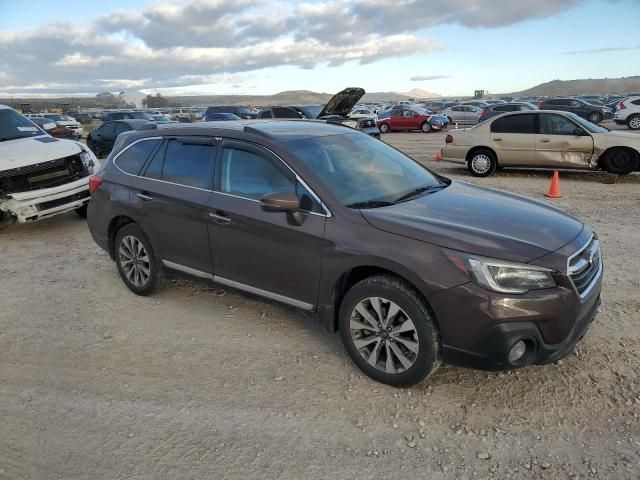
x,y
473,150
116,224
329,313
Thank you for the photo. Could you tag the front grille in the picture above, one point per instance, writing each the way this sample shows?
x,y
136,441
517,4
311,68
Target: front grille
x,y
42,175
367,123
585,266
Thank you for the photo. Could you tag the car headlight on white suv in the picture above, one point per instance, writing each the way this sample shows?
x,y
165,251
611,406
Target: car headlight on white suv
x,y
502,276
89,159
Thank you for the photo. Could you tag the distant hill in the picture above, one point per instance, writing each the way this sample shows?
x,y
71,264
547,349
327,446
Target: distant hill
x,y
591,86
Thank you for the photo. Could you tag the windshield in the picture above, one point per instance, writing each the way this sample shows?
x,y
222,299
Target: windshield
x,y
14,126
311,111
357,168
587,125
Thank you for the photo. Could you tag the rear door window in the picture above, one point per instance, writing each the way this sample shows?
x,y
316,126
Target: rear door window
x,y
108,130
515,124
189,162
133,158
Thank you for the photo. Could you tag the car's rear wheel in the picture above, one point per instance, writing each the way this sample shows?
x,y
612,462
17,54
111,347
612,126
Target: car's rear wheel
x,y
482,163
425,127
389,331
384,128
620,161
595,117
136,261
633,122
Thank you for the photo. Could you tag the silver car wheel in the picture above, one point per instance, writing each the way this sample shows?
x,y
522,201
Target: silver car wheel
x,y
384,335
634,123
481,163
134,260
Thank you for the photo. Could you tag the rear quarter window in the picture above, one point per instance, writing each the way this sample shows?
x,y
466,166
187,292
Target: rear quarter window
x,y
133,158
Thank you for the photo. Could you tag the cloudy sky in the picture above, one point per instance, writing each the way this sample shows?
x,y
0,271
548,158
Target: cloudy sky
x,y
263,47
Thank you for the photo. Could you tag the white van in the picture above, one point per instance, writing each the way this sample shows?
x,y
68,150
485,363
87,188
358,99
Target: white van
x,y
40,176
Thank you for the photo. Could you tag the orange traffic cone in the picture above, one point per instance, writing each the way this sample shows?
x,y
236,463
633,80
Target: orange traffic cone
x,y
554,188
438,157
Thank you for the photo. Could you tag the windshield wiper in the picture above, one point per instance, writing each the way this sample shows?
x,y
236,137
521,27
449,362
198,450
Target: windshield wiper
x,y
417,191
370,204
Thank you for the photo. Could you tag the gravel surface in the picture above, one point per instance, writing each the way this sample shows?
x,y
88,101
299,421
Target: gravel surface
x,y
199,382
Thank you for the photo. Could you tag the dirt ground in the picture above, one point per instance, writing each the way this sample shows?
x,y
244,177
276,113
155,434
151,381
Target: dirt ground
x,y
203,383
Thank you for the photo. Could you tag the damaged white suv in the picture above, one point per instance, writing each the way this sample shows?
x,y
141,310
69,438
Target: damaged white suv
x,y
40,176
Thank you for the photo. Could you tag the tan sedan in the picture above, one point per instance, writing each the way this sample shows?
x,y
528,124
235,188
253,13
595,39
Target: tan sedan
x,y
542,139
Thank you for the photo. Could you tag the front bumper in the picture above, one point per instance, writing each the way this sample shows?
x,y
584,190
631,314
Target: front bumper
x,y
38,204
479,328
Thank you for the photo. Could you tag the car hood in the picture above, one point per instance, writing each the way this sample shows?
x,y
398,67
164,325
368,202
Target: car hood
x,y
342,102
480,221
32,150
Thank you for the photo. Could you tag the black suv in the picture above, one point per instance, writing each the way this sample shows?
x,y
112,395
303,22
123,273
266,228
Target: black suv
x,y
593,113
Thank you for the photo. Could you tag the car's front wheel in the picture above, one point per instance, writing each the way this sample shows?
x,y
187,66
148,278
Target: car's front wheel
x,y
482,163
425,127
136,261
620,161
384,128
633,122
595,117
389,331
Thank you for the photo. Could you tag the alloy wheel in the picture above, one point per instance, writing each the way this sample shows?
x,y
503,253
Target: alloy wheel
x,y
634,123
134,261
481,163
384,335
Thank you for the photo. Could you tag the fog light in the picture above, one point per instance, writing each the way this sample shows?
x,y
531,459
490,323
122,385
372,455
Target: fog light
x,y
517,351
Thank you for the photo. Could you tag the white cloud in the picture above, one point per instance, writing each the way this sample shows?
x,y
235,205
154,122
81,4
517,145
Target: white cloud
x,y
423,78
168,45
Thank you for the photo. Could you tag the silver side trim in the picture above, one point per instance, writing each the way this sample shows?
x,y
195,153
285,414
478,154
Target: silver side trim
x,y
189,270
239,286
263,293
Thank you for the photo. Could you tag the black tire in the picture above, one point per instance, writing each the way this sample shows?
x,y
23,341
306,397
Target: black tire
x,y
426,333
633,122
155,277
82,211
595,117
620,161
482,163
425,127
384,128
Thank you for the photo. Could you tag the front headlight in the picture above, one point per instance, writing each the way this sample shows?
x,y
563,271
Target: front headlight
x,y
501,276
89,159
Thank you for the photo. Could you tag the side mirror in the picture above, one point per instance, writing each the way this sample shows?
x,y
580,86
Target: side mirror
x,y
280,202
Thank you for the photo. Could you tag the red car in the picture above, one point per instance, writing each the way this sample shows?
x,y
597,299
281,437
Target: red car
x,y
53,129
402,117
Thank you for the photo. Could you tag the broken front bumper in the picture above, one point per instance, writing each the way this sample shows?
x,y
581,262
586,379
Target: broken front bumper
x,y
39,204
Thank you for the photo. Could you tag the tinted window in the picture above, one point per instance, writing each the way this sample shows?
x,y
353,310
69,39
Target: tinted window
x,y
265,114
121,128
501,108
133,158
281,112
636,102
250,175
515,124
188,163
108,130
556,125
576,103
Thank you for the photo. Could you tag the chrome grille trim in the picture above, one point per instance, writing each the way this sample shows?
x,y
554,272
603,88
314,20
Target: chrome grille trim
x,y
586,263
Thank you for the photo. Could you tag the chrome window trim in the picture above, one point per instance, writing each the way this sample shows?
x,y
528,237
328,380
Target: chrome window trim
x,y
597,275
327,213
239,286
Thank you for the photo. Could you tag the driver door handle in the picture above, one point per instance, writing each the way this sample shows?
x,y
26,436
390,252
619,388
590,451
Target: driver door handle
x,y
498,139
220,218
545,140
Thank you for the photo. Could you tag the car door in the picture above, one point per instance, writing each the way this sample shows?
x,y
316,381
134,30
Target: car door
x,y
121,127
106,137
171,201
513,139
471,115
267,253
562,143
457,114
396,120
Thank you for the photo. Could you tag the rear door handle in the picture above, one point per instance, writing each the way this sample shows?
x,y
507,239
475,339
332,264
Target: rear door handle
x,y
220,218
143,197
545,140
497,139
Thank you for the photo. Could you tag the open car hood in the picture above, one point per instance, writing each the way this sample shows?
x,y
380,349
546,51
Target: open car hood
x,y
342,102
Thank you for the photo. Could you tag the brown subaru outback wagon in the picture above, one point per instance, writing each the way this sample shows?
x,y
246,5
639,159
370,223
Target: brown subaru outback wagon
x,y
412,268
